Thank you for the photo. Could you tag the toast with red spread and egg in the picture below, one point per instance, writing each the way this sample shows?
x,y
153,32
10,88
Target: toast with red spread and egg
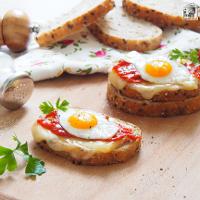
x,y
156,86
84,136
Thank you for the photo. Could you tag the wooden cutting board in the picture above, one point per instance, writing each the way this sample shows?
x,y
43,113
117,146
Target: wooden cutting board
x,y
167,166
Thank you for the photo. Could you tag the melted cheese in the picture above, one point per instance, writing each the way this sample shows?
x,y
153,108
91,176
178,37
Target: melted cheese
x,y
148,90
116,81
76,146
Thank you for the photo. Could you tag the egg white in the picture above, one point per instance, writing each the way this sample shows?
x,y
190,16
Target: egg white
x,y
105,128
179,74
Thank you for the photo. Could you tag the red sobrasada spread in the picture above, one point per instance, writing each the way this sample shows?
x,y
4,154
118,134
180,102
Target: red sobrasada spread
x,y
127,72
190,59
51,122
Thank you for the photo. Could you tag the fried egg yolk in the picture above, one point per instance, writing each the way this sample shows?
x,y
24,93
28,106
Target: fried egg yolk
x,y
158,68
82,120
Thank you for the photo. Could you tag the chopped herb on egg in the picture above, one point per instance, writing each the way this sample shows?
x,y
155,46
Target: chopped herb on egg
x,y
192,55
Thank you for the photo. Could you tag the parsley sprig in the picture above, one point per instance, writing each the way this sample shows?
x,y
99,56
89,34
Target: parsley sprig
x,y
34,166
193,55
47,107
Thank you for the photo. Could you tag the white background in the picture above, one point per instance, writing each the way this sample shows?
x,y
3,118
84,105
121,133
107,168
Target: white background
x,y
38,10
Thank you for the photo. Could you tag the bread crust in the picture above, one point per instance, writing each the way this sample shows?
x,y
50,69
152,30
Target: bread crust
x,y
160,19
70,27
78,155
125,44
120,155
163,96
150,108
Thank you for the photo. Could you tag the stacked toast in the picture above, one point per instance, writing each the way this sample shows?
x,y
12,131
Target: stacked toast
x,y
145,98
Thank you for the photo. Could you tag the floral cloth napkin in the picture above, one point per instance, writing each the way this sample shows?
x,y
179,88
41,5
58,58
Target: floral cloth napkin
x,y
79,54
82,54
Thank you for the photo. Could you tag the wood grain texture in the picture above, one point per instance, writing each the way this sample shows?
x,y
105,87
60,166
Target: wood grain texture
x,y
5,197
167,166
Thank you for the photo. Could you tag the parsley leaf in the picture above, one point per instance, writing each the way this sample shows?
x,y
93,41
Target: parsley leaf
x,y
175,54
62,105
12,163
47,107
3,164
4,151
193,55
8,161
21,147
34,167
24,148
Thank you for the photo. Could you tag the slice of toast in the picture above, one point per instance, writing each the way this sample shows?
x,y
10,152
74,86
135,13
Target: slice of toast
x,y
163,96
153,91
84,14
163,13
150,108
88,152
121,31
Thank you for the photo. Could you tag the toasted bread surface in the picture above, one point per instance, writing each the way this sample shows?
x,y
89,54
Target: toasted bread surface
x,y
154,92
88,152
121,31
150,108
163,96
163,13
117,156
84,14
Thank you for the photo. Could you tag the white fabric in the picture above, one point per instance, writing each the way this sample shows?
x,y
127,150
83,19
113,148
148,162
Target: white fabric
x,y
82,54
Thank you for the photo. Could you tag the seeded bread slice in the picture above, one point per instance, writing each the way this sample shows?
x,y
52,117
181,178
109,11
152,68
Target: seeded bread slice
x,y
163,13
154,92
163,96
120,155
121,31
75,151
84,14
152,109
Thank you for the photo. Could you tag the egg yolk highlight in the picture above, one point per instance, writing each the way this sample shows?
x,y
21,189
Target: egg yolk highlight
x,y
158,68
82,120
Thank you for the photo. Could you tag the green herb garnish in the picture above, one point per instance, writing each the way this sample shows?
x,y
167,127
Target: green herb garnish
x,y
192,55
62,105
34,166
47,107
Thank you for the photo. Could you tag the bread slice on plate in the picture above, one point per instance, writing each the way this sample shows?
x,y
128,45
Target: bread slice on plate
x,y
84,14
154,86
87,137
163,13
121,31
